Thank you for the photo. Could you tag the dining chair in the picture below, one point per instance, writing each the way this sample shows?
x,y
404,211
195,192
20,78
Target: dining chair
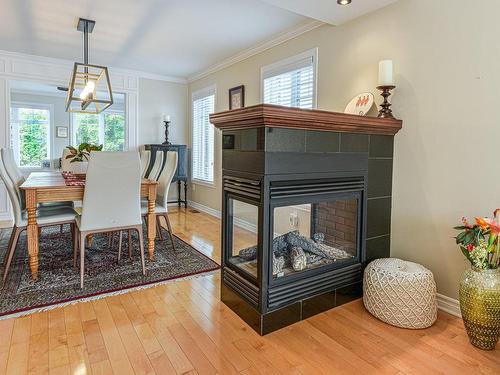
x,y
45,217
111,200
17,178
145,156
156,169
161,207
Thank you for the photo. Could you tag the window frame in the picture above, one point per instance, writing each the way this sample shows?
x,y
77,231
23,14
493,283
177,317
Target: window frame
x,y
73,127
280,67
204,92
50,135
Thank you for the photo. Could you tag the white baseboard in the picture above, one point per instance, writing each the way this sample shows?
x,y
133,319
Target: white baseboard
x,y
449,305
205,209
216,213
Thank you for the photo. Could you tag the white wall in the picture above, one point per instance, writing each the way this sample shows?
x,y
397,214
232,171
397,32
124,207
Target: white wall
x,y
446,60
157,98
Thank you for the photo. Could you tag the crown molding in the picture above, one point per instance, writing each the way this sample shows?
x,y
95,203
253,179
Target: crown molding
x,y
64,62
258,48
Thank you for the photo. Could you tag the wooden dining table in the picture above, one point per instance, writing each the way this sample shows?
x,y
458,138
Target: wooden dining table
x,y
42,187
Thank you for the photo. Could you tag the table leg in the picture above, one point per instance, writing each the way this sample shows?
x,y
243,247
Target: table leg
x,y
151,220
32,233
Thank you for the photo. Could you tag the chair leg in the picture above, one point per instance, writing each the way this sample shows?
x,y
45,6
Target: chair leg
x,y
61,228
119,245
11,250
74,231
169,230
110,234
158,227
141,244
10,243
82,257
129,244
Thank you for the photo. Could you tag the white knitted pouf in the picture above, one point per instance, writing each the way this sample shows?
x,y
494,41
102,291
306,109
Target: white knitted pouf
x,y
400,293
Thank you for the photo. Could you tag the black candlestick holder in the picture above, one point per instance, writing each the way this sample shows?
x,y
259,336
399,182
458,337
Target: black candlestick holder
x,y
167,124
385,111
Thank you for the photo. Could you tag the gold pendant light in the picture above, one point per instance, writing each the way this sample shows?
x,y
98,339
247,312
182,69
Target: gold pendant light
x,y
89,88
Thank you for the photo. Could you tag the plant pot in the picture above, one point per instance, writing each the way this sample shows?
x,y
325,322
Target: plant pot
x,y
79,167
480,306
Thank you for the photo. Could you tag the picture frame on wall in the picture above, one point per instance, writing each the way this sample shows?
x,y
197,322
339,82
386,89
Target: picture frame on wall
x,y
61,132
237,97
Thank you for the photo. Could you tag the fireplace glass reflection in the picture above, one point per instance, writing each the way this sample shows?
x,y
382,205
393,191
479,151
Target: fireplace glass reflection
x,y
243,223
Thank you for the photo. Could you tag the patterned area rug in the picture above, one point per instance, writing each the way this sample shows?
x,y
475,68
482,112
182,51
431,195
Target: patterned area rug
x,y
59,282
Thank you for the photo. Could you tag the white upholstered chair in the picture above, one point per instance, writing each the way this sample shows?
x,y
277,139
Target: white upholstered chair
x,y
17,178
156,169
111,201
45,217
164,181
145,156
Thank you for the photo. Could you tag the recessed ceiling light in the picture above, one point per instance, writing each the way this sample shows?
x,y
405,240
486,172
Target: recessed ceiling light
x,y
343,2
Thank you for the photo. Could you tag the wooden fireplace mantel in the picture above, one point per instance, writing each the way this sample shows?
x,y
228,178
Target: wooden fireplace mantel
x,y
268,115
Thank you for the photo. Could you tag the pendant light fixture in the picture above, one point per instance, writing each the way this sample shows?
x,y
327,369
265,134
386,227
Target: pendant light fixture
x,y
89,88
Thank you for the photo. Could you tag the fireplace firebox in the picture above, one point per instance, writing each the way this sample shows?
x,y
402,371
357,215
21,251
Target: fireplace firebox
x,y
299,209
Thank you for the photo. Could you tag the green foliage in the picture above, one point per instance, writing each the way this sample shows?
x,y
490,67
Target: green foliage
x,y
82,152
33,137
114,130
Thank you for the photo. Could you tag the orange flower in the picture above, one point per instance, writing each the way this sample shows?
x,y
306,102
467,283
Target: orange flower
x,y
482,222
494,227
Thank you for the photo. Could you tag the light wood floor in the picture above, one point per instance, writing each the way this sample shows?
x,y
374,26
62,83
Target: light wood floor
x,y
183,328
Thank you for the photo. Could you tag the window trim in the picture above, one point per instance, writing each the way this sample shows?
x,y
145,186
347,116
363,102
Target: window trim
x,y
313,53
206,91
50,135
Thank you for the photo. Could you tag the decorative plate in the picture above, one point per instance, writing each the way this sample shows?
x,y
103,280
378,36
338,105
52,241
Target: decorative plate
x,y
360,104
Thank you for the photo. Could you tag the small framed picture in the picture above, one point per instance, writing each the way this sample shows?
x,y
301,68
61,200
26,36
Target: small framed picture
x,y
228,141
61,132
237,97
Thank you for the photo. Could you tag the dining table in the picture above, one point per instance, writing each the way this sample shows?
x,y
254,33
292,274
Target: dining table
x,y
45,187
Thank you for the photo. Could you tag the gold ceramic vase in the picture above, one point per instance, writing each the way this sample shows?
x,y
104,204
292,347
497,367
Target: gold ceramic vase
x,y
480,306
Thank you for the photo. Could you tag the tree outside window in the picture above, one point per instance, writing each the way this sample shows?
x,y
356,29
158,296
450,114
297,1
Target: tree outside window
x,y
104,128
30,134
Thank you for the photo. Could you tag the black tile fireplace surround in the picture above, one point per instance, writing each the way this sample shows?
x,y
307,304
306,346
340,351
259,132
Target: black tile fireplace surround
x,y
314,206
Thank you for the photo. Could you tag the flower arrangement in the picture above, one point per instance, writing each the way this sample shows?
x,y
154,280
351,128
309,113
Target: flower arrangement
x,y
82,153
480,242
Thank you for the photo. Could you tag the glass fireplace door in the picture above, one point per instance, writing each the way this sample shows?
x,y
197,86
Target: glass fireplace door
x,y
242,236
308,236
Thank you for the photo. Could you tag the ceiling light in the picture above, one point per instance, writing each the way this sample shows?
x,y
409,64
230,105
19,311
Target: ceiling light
x,y
343,2
86,78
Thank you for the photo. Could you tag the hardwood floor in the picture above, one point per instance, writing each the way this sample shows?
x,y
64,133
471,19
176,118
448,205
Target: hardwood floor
x,y
183,328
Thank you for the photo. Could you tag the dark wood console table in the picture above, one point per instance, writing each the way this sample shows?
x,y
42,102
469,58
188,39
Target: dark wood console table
x,y
180,175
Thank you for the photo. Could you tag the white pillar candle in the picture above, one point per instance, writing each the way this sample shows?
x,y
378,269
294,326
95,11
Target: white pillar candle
x,y
385,73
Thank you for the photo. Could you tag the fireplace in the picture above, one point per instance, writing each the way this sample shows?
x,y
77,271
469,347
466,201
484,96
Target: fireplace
x,y
299,209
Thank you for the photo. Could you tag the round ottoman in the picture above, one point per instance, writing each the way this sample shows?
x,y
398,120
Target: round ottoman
x,y
400,293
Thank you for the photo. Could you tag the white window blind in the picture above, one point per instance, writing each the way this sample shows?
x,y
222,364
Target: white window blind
x,y
203,136
290,83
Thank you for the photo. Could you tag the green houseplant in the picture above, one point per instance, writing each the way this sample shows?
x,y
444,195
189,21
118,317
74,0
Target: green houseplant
x,y
480,285
78,157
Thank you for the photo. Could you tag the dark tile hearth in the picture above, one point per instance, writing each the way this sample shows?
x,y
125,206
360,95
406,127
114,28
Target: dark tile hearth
x,y
59,281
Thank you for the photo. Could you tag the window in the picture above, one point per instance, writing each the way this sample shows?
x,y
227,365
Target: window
x,y
30,134
106,128
203,136
291,82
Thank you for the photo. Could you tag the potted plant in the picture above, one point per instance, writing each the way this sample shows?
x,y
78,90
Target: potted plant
x,y
79,157
480,285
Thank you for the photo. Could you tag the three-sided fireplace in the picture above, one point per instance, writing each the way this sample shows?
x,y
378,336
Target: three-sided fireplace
x,y
295,211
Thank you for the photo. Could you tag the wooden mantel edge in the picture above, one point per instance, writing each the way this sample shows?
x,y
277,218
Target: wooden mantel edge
x,y
268,115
